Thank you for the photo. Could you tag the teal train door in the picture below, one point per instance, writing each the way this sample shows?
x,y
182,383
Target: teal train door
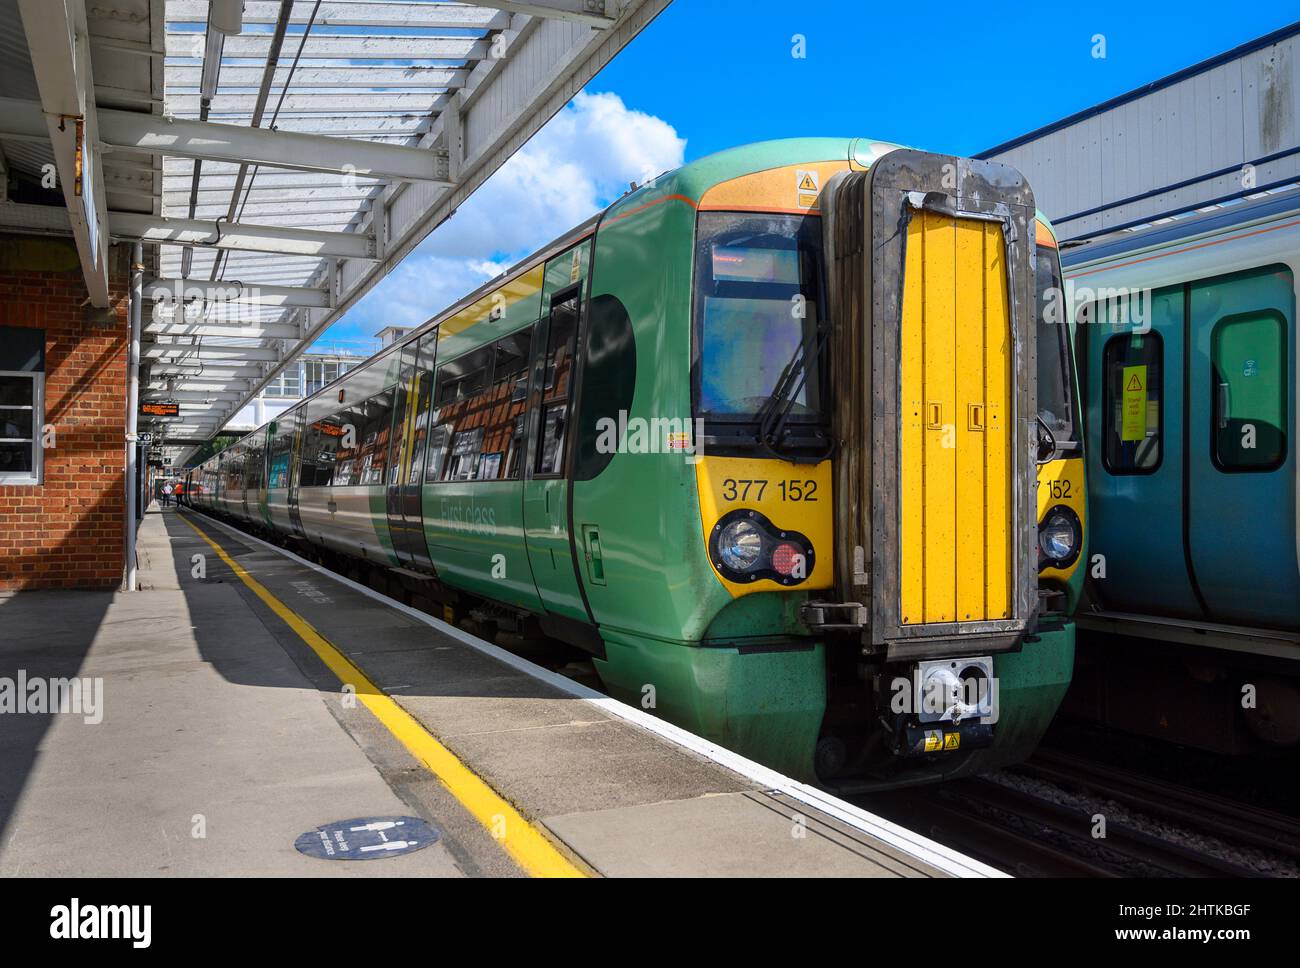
x,y
1135,392
1241,454
546,487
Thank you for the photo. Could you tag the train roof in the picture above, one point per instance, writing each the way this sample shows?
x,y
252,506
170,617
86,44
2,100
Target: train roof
x,y
1223,217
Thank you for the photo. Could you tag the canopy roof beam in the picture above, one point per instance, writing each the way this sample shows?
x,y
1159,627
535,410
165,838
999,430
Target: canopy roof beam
x,y
212,141
59,42
240,236
179,290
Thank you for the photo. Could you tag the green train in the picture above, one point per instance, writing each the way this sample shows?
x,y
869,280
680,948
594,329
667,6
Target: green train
x,y
783,439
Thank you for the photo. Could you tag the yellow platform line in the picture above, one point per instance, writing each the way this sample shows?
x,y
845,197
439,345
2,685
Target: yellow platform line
x,y
528,846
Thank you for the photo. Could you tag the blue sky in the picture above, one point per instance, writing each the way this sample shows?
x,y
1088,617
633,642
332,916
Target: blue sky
x,y
721,73
710,74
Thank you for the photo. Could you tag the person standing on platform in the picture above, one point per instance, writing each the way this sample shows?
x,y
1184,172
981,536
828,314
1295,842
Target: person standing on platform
x,y
167,494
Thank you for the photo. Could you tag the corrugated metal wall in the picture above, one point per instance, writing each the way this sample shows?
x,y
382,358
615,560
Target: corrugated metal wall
x,y
1180,142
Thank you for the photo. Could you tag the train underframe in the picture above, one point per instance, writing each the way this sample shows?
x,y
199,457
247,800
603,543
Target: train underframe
x,y
1228,702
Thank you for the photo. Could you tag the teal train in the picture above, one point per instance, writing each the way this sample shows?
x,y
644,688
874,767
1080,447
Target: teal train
x,y
1187,353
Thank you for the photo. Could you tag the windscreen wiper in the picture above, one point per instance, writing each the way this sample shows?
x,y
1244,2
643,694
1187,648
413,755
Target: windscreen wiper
x,y
772,416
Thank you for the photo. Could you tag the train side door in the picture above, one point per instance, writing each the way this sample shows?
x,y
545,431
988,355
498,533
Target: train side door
x,y
547,523
1241,453
1135,397
406,454
299,417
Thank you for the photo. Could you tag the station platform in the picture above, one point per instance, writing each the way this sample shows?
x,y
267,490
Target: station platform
x,y
250,696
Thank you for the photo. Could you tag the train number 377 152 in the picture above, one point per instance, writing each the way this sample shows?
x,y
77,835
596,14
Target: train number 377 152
x,y
734,489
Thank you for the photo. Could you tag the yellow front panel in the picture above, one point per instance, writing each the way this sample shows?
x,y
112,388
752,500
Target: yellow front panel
x,y
955,490
794,497
1061,482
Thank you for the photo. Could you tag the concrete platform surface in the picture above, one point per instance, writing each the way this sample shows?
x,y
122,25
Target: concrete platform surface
x,y
224,736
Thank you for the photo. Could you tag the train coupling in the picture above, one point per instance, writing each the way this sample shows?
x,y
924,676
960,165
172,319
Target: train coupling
x,y
945,705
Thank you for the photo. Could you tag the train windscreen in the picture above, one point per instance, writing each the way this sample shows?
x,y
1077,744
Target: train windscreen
x,y
757,290
1054,388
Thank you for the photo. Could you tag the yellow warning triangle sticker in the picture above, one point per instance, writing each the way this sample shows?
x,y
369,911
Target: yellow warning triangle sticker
x,y
807,185
1134,383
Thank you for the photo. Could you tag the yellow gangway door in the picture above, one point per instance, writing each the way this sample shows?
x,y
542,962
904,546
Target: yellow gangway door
x,y
957,536
931,285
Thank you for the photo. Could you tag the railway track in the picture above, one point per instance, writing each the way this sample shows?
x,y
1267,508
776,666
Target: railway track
x,y
1030,835
1221,817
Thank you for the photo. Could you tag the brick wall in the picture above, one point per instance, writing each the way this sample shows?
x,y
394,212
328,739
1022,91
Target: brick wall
x,y
67,532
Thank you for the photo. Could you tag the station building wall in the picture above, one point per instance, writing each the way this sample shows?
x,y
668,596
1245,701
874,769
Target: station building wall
x,y
62,509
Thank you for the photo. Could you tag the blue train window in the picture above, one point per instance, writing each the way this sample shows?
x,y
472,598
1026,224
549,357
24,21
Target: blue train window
x,y
1248,359
1132,398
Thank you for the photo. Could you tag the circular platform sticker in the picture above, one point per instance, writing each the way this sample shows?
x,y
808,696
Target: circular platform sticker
x,y
367,838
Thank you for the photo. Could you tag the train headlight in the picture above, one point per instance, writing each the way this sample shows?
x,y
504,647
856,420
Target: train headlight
x,y
1059,538
740,546
745,546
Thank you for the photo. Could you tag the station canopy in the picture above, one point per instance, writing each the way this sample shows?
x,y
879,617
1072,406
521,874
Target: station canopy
x,y
276,157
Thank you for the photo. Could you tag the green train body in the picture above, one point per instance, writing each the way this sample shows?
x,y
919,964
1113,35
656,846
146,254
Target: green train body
x,y
539,455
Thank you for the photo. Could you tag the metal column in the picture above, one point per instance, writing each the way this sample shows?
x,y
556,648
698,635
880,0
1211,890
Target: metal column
x,y
133,410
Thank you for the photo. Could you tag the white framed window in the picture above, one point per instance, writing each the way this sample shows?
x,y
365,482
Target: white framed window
x,y
22,414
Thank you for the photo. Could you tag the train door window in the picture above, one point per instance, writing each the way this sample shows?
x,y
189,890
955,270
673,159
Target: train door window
x,y
1248,370
253,480
503,437
1132,402
556,382
462,398
423,402
405,399
281,444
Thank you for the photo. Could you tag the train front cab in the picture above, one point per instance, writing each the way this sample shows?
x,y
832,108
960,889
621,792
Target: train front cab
x,y
822,628
960,518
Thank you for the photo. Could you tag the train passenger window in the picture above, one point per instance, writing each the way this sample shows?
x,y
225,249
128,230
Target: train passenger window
x,y
503,432
1248,370
1133,395
465,449
351,439
555,384
320,452
462,399
372,436
439,444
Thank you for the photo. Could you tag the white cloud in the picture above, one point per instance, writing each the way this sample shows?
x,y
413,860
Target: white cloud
x,y
581,160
